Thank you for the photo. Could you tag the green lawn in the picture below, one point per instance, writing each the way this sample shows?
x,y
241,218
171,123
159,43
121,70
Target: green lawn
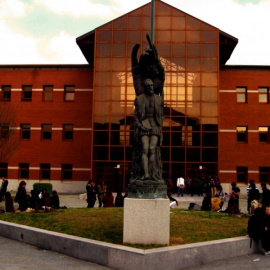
x,y
106,224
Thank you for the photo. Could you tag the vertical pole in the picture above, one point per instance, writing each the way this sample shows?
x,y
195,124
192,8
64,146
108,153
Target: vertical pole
x,y
153,21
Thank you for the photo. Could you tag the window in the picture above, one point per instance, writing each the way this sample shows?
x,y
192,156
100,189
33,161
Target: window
x,y
66,171
67,132
264,174
4,131
4,170
242,134
46,131
6,92
241,93
45,171
242,174
263,94
264,134
69,93
23,170
27,93
47,92
25,131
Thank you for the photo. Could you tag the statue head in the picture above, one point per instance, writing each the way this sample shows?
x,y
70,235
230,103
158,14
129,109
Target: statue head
x,y
149,87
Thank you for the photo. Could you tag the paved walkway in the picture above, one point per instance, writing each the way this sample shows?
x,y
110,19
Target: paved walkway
x,y
247,262
20,256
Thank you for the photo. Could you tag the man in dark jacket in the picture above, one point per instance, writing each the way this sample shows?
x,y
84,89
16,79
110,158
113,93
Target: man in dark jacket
x,y
265,195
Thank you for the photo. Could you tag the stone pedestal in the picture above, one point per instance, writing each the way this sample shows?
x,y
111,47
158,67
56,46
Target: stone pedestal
x,y
146,221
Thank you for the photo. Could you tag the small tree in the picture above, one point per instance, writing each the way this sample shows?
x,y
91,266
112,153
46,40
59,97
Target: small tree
x,y
9,141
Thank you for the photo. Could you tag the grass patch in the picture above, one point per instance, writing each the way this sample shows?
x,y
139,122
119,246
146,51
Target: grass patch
x,y
106,224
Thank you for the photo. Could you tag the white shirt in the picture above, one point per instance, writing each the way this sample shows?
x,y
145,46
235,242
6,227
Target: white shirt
x,y
180,181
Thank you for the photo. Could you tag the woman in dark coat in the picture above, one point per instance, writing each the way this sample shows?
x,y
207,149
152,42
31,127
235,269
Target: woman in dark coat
x,y
22,197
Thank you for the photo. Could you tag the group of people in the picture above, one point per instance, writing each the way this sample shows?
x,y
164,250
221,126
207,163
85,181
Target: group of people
x,y
103,194
36,201
210,186
25,200
196,186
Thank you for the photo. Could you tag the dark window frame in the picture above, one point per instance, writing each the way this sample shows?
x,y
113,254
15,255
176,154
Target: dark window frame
x,y
6,95
242,136
47,93
27,93
46,131
4,130
264,173
25,131
66,172
68,90
23,172
45,171
264,136
4,169
242,174
68,132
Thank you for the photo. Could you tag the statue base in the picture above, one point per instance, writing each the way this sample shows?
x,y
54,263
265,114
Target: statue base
x,y
146,221
147,189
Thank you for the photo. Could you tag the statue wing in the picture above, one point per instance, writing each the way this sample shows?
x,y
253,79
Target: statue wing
x,y
134,59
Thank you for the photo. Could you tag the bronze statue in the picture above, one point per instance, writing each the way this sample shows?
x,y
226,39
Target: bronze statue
x,y
148,129
148,79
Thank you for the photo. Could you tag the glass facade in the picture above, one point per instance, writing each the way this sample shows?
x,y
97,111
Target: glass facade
x,y
188,49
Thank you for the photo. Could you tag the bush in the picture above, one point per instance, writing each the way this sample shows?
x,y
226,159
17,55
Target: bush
x,y
38,187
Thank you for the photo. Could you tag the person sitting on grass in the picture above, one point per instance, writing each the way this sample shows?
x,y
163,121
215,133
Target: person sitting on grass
x,y
215,203
55,203
22,197
9,202
206,203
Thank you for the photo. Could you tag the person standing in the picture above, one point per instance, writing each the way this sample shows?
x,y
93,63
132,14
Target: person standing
x,y
3,188
101,188
265,195
181,186
233,204
248,189
253,194
91,194
108,199
119,200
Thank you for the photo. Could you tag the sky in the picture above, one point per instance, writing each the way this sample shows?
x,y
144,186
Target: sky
x,y
45,31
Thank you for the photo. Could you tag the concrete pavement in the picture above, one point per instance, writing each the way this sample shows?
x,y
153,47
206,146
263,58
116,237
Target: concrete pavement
x,y
20,256
248,262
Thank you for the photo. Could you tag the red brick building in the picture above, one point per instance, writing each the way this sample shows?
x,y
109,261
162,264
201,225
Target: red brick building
x,y
75,122
53,121
244,123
